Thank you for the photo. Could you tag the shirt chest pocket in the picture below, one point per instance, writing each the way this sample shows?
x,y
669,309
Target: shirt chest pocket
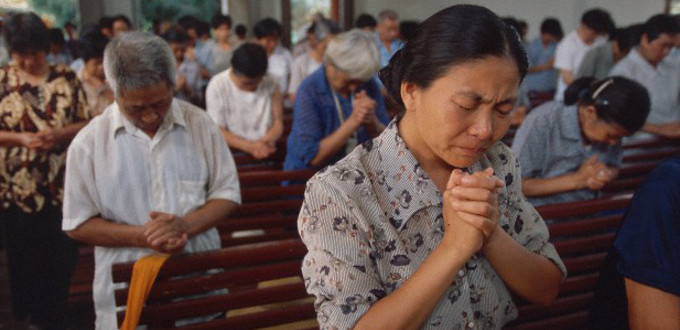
x,y
191,195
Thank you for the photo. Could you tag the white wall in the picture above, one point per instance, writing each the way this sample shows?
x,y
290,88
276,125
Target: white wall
x,y
624,12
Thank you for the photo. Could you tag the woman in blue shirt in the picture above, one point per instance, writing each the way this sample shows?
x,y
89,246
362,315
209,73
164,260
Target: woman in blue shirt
x,y
569,151
339,106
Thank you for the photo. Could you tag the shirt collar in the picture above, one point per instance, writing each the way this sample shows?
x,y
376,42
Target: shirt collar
x,y
118,122
569,126
410,189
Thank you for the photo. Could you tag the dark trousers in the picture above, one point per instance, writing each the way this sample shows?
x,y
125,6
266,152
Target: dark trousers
x,y
41,260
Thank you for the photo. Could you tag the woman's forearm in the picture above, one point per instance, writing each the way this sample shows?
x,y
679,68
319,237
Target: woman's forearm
x,y
542,187
531,276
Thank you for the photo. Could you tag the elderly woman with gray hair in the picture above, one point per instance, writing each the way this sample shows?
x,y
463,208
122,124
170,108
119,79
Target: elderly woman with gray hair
x,y
151,173
339,106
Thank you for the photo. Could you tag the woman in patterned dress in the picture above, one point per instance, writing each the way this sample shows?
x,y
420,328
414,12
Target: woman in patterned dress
x,y
42,107
426,226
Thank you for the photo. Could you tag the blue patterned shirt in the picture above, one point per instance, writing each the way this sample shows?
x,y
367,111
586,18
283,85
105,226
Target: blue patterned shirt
x,y
372,219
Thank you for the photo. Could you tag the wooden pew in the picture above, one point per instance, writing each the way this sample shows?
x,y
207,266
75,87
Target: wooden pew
x,y
581,243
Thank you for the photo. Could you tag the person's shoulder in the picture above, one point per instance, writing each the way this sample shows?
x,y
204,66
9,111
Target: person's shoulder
x,y
97,127
191,112
625,65
63,70
313,82
545,114
348,175
220,81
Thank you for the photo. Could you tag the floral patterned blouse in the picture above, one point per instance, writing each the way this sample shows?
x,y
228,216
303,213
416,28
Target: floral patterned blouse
x,y
29,178
371,219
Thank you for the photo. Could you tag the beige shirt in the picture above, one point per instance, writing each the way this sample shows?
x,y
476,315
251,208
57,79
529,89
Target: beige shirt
x,y
371,219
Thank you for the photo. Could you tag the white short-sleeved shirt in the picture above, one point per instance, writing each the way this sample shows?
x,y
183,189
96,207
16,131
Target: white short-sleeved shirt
x,y
662,83
568,56
115,170
246,114
303,66
280,64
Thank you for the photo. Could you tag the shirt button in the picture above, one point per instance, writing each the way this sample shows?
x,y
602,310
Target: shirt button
x,y
461,273
471,325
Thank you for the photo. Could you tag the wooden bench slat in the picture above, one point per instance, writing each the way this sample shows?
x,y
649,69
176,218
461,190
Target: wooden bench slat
x,y
571,321
567,210
584,226
262,319
238,256
599,242
558,307
221,303
591,262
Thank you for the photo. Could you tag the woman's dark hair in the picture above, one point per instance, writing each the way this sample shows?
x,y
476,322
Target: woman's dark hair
x,y
616,99
202,28
452,36
268,27
92,45
408,29
366,21
219,20
26,33
552,27
250,60
598,20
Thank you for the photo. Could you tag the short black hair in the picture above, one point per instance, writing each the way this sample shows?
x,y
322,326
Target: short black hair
x,y
250,60
452,36
187,22
106,22
121,18
202,28
552,26
616,99
219,20
55,36
176,35
365,20
598,20
26,33
626,38
241,30
658,25
268,27
92,45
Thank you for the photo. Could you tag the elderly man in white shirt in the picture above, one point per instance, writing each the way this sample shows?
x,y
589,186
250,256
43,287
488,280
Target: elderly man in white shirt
x,y
595,25
150,173
648,64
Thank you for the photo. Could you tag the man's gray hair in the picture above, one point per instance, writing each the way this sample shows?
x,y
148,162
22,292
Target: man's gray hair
x,y
324,28
388,14
355,53
136,60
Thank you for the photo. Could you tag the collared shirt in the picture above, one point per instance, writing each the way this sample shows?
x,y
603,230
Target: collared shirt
x,y
597,62
116,171
538,54
372,219
568,56
315,117
662,83
386,55
244,113
30,178
279,67
549,144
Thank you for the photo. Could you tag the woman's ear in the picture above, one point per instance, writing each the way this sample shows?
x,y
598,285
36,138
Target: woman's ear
x,y
590,112
409,95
